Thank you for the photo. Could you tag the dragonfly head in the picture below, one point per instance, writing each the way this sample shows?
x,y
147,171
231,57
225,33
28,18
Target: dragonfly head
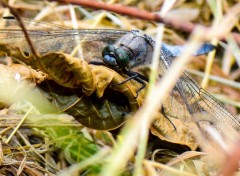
x,y
115,57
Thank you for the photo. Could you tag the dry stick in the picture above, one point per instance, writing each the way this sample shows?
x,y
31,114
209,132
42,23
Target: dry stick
x,y
146,15
14,13
134,12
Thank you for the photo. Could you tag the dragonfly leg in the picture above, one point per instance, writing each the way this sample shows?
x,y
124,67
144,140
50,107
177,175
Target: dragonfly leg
x,y
130,73
136,76
126,80
164,114
142,83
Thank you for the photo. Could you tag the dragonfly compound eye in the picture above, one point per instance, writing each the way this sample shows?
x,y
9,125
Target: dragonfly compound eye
x,y
122,57
108,55
108,50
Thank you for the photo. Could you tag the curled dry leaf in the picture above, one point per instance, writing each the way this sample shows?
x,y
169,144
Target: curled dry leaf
x,y
103,110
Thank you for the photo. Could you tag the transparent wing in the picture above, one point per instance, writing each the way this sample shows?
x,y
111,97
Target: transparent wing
x,y
48,37
192,101
202,105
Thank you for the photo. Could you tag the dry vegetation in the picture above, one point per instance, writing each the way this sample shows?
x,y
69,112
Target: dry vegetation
x,y
35,140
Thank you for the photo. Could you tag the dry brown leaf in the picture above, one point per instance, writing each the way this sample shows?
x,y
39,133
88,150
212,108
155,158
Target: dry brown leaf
x,y
84,80
181,135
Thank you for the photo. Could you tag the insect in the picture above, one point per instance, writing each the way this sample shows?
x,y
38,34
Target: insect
x,y
135,49
122,51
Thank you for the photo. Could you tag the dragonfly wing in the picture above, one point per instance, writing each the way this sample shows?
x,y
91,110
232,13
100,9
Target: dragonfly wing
x,y
202,106
194,102
48,37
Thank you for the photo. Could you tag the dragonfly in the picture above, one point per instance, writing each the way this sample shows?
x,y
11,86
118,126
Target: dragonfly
x,y
122,51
